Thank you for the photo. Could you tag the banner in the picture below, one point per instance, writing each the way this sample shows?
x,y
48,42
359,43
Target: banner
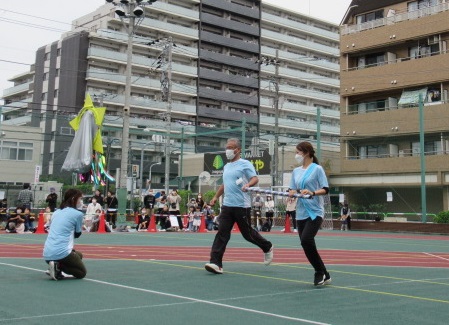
x,y
214,163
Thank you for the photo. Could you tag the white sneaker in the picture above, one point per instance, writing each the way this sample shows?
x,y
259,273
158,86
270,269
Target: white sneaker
x,y
213,268
283,229
268,256
296,230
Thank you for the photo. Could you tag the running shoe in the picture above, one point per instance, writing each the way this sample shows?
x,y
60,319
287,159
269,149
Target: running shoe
x,y
327,278
213,268
319,279
268,256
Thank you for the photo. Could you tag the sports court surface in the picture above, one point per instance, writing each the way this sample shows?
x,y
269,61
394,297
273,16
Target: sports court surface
x,y
159,278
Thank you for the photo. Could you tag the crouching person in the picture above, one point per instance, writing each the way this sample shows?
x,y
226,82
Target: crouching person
x,y
63,260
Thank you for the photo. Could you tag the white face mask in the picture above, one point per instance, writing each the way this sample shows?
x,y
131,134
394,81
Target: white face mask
x,y
79,205
299,159
230,154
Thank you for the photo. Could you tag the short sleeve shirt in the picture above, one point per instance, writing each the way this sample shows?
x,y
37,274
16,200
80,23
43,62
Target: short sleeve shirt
x,y
312,178
233,194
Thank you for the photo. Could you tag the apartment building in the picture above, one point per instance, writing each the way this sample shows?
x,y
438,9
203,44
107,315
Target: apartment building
x,y
393,53
225,55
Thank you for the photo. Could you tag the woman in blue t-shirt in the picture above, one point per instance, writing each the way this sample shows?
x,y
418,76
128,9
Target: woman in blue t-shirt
x,y
310,179
66,224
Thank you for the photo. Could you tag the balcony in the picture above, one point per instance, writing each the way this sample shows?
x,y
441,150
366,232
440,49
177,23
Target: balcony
x,y
303,28
138,60
226,96
394,76
308,77
383,34
229,60
230,24
165,27
235,8
148,104
396,122
173,10
15,106
228,78
307,110
16,90
220,114
400,165
307,45
304,60
229,42
299,126
400,17
138,82
303,92
142,41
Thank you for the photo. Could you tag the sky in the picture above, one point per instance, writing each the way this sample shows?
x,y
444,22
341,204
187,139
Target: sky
x,y
27,25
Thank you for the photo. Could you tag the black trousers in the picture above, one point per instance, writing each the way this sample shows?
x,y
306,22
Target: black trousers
x,y
307,230
228,216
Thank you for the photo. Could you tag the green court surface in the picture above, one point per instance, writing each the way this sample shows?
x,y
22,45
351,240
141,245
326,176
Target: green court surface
x,y
159,278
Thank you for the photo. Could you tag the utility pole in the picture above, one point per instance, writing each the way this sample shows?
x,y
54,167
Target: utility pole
x,y
276,119
166,95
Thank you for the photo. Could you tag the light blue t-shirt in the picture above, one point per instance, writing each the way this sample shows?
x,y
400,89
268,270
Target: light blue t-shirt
x,y
312,178
60,240
233,194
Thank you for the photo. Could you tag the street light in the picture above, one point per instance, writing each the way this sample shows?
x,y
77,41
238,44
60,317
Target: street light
x,y
128,9
149,176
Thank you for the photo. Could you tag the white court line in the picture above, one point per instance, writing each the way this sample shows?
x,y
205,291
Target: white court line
x,y
446,259
178,297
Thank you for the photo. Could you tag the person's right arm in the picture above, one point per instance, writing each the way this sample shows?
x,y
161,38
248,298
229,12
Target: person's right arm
x,y
217,195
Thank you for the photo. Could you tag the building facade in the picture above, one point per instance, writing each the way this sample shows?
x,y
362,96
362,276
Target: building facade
x,y
392,54
230,62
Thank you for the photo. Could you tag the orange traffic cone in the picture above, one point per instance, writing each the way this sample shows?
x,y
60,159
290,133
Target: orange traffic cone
x,y
203,224
185,222
136,217
236,227
40,223
152,226
101,224
287,228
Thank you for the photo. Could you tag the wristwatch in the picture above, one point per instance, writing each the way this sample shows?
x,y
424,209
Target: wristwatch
x,y
313,193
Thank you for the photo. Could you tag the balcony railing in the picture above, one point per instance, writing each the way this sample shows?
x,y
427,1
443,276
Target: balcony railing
x,y
402,16
400,154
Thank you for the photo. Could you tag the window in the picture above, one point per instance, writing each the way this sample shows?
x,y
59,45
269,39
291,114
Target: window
x,y
45,76
58,52
55,93
370,16
11,150
421,4
44,96
57,72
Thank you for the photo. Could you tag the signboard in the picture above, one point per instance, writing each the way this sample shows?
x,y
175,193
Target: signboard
x,y
135,170
214,163
37,172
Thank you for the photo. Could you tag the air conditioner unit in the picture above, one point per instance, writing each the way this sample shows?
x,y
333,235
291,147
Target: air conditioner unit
x,y
401,153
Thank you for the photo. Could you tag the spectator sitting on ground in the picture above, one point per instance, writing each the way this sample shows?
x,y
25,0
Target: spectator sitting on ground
x,y
15,223
144,220
92,209
29,220
164,220
47,218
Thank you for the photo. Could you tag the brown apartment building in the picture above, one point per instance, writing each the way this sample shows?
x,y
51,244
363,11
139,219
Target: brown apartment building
x,y
392,53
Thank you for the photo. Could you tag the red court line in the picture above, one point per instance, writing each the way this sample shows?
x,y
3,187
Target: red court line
x,y
201,254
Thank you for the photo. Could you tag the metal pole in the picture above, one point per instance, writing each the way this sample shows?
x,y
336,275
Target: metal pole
x,y
181,159
169,106
276,121
423,160
141,168
243,138
126,108
149,175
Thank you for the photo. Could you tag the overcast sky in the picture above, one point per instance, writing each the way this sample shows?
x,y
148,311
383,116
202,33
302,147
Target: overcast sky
x,y
27,25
